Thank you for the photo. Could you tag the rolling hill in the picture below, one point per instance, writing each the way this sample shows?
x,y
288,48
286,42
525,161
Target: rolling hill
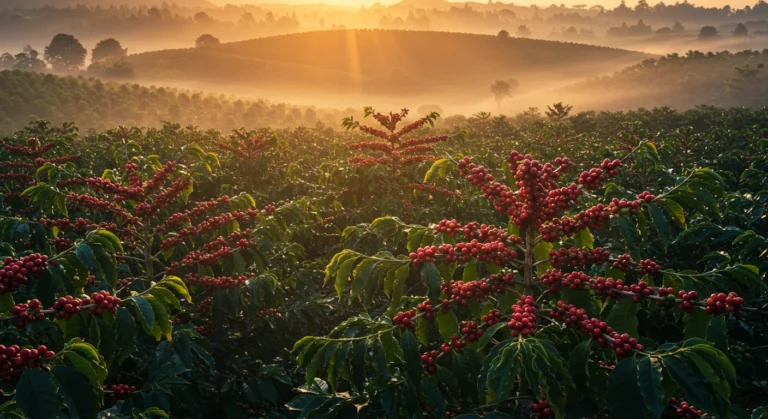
x,y
679,81
451,66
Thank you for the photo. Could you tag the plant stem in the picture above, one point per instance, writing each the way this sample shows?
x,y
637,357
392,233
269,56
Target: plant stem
x,y
528,264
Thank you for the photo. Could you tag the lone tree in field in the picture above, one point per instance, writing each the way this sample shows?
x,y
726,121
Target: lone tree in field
x,y
65,53
503,34
108,50
502,89
206,40
708,32
678,27
523,31
558,112
740,30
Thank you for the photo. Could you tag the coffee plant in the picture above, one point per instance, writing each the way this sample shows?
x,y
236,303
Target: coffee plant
x,y
537,315
411,270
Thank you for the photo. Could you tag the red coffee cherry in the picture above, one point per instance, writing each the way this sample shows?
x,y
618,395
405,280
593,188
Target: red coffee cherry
x,y
404,320
688,297
523,317
427,309
429,360
624,345
493,317
120,391
541,409
722,303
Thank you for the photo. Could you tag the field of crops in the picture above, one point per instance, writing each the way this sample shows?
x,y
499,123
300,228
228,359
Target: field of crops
x,y
599,265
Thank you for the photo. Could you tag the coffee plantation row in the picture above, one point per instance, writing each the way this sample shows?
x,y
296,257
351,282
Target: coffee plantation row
x,y
593,266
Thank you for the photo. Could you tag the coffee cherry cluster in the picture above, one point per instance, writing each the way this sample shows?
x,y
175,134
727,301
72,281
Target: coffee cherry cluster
x,y
13,359
61,244
457,342
27,313
541,409
102,301
592,179
689,298
427,309
523,318
452,413
268,312
610,167
494,252
493,317
204,329
562,199
646,196
641,289
624,207
16,272
120,391
596,329
623,262
534,182
67,306
574,257
488,233
648,267
553,279
722,303
593,218
572,316
211,284
61,223
404,320
427,255
470,331
503,198
685,410
451,227
428,359
624,345
478,175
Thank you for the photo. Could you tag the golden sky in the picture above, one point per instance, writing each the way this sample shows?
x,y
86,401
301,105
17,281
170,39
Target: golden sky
x,y
544,3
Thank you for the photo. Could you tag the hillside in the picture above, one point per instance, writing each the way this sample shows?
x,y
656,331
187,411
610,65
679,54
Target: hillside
x,y
452,66
26,96
680,81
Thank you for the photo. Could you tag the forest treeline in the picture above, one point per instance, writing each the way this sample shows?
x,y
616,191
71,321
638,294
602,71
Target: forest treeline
x,y
166,25
683,81
172,25
95,104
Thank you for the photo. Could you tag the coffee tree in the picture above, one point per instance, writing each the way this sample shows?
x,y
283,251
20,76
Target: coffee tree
x,y
558,313
126,289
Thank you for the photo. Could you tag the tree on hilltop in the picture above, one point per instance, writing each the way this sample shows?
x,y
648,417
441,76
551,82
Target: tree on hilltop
x,y
206,40
65,53
108,50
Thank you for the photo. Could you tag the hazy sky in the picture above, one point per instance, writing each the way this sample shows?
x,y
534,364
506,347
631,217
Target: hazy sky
x,y
606,3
